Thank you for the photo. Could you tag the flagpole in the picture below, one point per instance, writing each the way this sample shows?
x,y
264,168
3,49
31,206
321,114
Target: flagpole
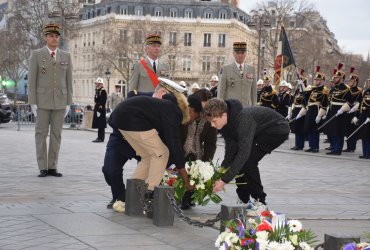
x,y
282,58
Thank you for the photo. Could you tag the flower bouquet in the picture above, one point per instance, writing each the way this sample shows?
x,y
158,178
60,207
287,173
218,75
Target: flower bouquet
x,y
169,178
357,246
202,175
268,231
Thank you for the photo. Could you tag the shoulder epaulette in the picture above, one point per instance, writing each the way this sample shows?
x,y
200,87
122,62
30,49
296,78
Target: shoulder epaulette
x,y
325,91
273,92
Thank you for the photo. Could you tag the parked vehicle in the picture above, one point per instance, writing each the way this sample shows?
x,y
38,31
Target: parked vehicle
x,y
5,109
75,114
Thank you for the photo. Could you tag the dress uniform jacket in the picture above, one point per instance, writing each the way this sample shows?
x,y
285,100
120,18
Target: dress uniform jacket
x,y
268,98
237,85
140,80
298,103
50,82
100,100
114,99
356,93
364,132
340,95
317,99
285,101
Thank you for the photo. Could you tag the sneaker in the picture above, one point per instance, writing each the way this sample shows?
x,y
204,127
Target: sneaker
x,y
119,206
257,209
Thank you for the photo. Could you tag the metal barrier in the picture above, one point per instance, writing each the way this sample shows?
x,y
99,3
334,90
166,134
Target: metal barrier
x,y
25,118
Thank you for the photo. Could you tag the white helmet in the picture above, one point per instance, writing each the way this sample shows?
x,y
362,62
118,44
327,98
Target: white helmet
x,y
260,82
290,86
214,78
99,80
195,86
182,84
283,84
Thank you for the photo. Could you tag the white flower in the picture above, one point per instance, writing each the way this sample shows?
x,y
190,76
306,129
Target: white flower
x,y
231,239
262,235
304,246
200,186
220,239
187,167
192,182
287,245
273,245
295,226
262,244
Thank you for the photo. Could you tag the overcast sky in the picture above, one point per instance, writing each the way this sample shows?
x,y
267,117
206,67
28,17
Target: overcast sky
x,y
348,20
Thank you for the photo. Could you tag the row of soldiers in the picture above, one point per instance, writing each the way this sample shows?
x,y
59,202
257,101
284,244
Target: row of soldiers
x,y
339,110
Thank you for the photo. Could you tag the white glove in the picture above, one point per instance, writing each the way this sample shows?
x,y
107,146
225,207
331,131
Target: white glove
x,y
367,120
339,112
67,110
288,117
354,120
324,117
318,119
354,108
98,114
34,109
298,116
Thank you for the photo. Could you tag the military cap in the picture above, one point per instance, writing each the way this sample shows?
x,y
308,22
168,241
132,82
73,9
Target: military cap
x,y
153,39
214,78
283,84
302,76
171,86
240,46
51,28
259,82
334,72
99,80
319,75
353,76
265,76
339,72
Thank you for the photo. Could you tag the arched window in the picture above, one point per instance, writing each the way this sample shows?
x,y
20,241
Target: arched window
x,y
222,14
208,14
139,11
173,12
188,13
124,10
158,11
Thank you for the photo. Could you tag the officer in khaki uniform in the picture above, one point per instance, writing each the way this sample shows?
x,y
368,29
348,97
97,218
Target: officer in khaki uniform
x,y
149,67
238,80
50,93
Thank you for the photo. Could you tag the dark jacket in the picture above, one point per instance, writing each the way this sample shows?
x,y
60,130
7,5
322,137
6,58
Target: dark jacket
x,y
208,139
144,113
100,100
243,126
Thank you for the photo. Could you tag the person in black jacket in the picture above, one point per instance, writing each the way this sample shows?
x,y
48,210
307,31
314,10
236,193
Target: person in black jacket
x,y
152,127
250,133
99,120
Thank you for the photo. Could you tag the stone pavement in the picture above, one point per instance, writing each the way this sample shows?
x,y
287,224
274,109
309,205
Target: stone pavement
x,y
329,194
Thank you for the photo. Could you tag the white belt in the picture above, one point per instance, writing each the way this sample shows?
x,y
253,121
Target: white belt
x,y
313,103
298,106
337,103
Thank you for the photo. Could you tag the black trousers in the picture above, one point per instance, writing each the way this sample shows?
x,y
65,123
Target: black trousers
x,y
101,133
114,161
250,173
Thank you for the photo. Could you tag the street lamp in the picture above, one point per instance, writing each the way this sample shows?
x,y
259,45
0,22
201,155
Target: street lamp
x,y
64,11
259,20
25,89
107,74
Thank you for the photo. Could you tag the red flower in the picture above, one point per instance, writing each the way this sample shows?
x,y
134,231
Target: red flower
x,y
171,181
246,241
266,213
264,226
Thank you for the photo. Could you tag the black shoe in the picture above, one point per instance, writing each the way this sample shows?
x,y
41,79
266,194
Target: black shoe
x,y
98,140
364,157
328,148
315,150
333,153
110,204
296,148
308,150
54,172
149,195
348,150
43,173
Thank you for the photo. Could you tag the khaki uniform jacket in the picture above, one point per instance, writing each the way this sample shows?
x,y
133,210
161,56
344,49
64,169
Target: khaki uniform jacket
x,y
140,80
233,85
50,83
114,99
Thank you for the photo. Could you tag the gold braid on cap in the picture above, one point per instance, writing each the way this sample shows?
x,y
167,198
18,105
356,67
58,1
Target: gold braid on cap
x,y
182,103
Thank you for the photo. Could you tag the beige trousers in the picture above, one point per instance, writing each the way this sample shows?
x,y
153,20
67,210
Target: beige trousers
x,y
48,159
154,155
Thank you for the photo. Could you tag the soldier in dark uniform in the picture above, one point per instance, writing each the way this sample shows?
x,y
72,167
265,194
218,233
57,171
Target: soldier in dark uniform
x,y
316,105
268,97
364,132
341,99
99,119
284,99
214,83
259,88
356,95
330,87
298,112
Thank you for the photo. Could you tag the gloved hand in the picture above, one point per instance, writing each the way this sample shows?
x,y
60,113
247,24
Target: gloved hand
x,y
324,117
318,119
352,110
67,110
354,120
98,114
34,109
367,120
289,116
298,116
339,112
